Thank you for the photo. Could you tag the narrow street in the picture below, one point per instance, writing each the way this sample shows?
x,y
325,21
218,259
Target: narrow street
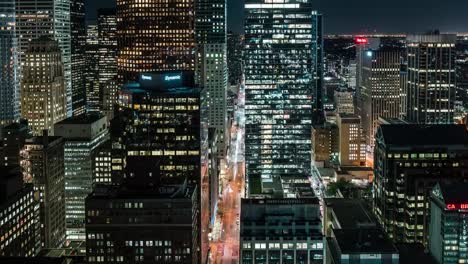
x,y
225,235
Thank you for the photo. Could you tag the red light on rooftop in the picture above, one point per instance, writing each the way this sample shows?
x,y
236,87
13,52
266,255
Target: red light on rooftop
x,y
361,41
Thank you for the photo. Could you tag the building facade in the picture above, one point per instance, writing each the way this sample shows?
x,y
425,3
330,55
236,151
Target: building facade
x,y
281,231
352,147
407,168
107,64
139,226
19,215
43,166
156,36
82,135
78,50
92,69
449,223
14,137
43,91
9,66
51,19
281,56
380,88
235,49
431,78
158,129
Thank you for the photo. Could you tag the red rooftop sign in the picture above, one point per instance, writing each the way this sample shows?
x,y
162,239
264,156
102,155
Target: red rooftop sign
x,y
457,206
361,41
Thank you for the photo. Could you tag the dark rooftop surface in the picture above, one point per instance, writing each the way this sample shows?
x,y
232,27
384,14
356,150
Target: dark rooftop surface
x,y
80,120
418,135
40,140
454,193
163,192
357,241
414,254
350,213
135,88
35,260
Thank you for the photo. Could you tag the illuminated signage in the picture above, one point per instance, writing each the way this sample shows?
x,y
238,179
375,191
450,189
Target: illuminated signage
x,y
172,78
146,78
361,41
457,206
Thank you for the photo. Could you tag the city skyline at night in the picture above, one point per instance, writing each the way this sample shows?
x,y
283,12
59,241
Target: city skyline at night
x,y
361,16
233,132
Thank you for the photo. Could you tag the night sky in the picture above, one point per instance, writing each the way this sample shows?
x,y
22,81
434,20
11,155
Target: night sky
x,y
364,16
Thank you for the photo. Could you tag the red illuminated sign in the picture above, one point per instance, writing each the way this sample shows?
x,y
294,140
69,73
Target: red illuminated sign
x,y
361,41
457,206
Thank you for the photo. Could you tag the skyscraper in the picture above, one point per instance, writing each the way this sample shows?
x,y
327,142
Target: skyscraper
x,y
19,215
380,88
78,50
43,165
235,44
43,100
37,18
409,160
158,127
211,63
82,135
280,70
157,132
92,69
9,82
431,78
158,35
107,64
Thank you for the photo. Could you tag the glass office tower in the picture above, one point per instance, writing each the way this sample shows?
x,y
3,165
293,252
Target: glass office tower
x,y
9,85
282,54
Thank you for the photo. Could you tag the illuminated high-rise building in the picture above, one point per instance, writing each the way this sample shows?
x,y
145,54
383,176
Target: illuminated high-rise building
x,y
157,131
282,58
158,127
9,83
352,147
107,64
380,88
156,35
409,160
82,135
43,166
92,69
37,18
235,44
431,78
78,50
19,215
43,92
211,63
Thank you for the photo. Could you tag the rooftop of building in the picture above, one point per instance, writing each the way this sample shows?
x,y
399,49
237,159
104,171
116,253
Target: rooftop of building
x,y
36,260
84,119
414,253
42,140
16,126
454,193
11,182
163,192
361,241
424,135
135,88
273,201
350,213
